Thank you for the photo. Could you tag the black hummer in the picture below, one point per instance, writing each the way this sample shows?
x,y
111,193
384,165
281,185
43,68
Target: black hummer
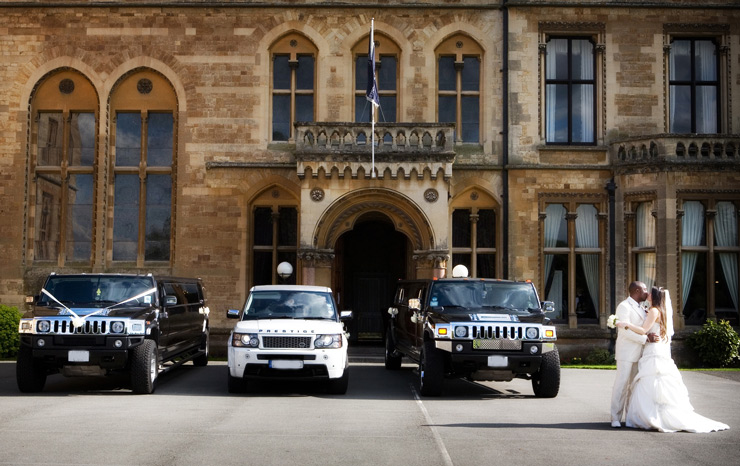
x,y
98,324
475,328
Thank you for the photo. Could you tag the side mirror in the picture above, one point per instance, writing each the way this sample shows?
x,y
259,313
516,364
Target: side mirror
x,y
548,306
415,304
170,300
345,316
232,314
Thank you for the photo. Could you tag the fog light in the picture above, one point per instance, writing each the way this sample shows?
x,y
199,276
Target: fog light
x,y
459,348
41,342
118,343
533,349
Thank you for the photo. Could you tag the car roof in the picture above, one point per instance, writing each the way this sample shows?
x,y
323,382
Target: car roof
x,y
317,289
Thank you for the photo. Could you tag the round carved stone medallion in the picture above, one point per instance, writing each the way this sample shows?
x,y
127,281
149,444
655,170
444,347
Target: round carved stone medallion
x,y
317,194
144,86
431,195
66,86
474,196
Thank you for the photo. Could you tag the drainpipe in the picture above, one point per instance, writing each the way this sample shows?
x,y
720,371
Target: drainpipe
x,y
505,143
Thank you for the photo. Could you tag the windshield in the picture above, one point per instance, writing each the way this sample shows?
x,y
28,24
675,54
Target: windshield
x,y
485,295
97,291
290,305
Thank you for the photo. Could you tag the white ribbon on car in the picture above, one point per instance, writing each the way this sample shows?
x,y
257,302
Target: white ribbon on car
x,y
79,321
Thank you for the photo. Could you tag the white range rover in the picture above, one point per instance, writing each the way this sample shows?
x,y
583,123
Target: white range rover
x,y
290,332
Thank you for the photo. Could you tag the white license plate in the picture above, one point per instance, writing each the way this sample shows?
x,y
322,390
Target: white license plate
x,y
78,356
498,361
286,364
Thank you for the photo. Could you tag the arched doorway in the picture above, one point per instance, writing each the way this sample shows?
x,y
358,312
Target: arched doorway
x,y
369,260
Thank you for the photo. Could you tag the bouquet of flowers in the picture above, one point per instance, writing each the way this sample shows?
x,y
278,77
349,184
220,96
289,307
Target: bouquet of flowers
x,y
611,322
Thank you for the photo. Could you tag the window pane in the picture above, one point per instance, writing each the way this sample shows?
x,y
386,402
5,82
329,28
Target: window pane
x,y
158,217
82,139
159,139
447,74
646,268
48,211
680,60
262,268
304,73
128,139
582,61
281,72
461,259
288,227
706,109
557,59
461,228
280,117
50,139
486,228
447,109
725,287
705,60
471,74
557,112
583,113
362,109
361,73
304,108
263,226
556,284
126,217
680,109
470,119
486,266
79,217
387,74
387,110
556,227
587,286
695,305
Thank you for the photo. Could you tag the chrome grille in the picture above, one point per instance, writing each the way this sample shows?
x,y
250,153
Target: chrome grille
x,y
92,326
508,345
489,332
286,342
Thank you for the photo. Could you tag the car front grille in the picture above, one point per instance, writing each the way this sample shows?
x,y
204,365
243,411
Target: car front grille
x,y
491,332
286,342
91,326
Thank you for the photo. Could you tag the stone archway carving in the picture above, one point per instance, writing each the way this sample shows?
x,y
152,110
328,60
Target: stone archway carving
x,y
342,214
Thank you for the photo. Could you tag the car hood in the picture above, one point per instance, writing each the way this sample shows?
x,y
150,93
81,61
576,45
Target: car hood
x,y
121,312
289,326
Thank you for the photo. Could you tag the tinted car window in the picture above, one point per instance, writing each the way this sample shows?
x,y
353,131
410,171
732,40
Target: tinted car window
x,y
289,305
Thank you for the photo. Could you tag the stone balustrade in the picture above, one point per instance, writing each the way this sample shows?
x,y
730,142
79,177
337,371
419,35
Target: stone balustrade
x,y
677,148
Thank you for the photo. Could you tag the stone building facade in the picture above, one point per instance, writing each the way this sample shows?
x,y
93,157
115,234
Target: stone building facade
x,y
577,144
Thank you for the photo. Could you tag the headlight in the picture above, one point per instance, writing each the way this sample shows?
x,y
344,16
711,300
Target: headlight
x,y
532,333
43,326
328,341
117,327
136,327
247,340
461,332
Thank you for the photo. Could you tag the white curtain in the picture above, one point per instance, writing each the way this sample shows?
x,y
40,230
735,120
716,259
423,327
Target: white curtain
x,y
692,229
555,48
555,215
645,238
587,236
725,234
583,51
705,56
678,48
555,293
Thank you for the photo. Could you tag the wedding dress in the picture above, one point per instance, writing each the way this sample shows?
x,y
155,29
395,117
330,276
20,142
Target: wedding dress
x,y
659,399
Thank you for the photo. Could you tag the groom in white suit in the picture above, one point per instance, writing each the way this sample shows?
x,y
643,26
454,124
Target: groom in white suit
x,y
628,349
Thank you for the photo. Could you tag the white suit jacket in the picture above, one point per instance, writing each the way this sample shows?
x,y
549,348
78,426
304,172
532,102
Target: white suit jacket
x,y
629,344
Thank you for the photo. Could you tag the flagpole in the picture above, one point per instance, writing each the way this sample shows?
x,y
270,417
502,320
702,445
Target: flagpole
x,y
372,118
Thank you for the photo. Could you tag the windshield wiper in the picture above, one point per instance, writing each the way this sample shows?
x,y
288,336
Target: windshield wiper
x,y
318,318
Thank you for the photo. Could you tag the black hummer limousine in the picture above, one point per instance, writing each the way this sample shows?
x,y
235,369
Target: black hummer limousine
x,y
480,329
98,324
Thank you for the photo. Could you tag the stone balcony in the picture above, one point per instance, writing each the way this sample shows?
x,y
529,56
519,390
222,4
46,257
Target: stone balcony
x,y
706,151
403,150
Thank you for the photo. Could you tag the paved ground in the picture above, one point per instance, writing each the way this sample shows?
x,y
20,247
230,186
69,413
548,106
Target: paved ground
x,y
192,420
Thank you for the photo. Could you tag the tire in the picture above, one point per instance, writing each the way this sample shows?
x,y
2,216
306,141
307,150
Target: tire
x,y
202,359
339,386
392,360
546,381
235,384
144,367
29,374
431,370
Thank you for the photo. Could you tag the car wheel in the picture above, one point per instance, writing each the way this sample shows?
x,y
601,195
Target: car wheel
x,y
431,370
392,359
30,375
339,386
546,381
202,359
235,384
144,367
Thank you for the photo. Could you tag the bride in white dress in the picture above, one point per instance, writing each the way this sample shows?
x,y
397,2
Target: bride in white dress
x,y
659,399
